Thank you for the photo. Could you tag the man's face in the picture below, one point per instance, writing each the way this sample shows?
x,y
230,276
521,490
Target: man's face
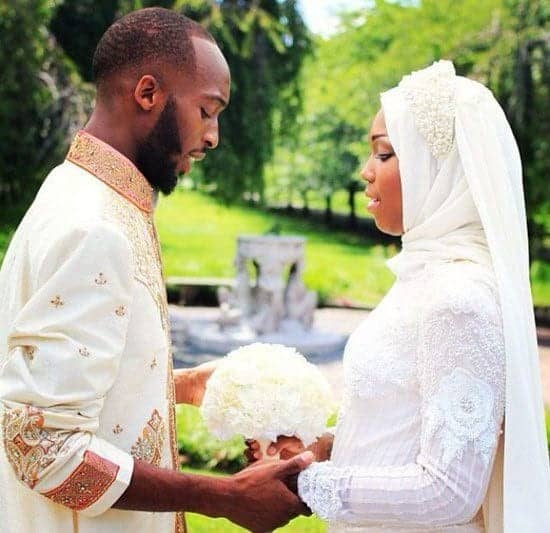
x,y
188,125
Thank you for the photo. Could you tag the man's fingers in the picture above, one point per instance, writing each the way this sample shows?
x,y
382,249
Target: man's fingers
x,y
295,465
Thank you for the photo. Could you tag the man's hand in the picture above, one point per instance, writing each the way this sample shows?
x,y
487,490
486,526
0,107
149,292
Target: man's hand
x,y
257,498
288,447
190,383
261,499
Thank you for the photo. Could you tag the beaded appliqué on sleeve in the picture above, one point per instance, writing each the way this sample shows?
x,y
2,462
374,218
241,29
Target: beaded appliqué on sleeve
x,y
30,448
463,411
91,479
317,488
431,94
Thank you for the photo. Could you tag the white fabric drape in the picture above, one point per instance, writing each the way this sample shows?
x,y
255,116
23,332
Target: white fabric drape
x,y
492,166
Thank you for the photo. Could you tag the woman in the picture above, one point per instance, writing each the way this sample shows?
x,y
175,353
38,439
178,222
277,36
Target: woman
x,y
420,443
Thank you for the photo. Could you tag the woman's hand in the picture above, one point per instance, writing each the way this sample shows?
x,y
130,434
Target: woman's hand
x,y
288,447
190,383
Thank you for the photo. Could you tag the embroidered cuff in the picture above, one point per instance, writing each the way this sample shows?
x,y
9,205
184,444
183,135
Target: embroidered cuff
x,y
97,482
317,487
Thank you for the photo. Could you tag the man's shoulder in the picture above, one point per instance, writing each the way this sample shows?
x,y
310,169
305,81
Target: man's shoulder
x,y
71,204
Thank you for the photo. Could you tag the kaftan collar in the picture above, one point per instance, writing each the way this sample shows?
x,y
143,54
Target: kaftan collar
x,y
113,168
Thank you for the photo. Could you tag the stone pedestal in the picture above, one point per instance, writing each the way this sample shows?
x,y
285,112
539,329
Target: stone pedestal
x,y
269,302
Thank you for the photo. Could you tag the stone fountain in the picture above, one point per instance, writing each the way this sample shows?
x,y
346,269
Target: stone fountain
x,y
268,302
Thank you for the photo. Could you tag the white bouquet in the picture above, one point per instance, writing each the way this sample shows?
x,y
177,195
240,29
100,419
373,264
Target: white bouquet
x,y
261,391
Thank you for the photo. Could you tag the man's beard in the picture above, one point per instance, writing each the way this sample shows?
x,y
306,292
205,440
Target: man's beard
x,y
154,154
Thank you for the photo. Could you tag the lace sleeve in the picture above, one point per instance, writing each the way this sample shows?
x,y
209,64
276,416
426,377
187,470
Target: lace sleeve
x,y
461,380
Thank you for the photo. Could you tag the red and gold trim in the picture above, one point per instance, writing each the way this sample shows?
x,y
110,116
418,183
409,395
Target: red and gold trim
x,y
88,482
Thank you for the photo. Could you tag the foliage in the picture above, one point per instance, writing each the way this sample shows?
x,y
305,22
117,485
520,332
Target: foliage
x,y
517,68
200,449
40,98
264,42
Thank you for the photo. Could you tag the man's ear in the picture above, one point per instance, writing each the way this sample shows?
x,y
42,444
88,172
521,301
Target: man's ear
x,y
148,93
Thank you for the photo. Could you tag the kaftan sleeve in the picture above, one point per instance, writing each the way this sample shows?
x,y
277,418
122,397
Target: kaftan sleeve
x,y
64,352
461,366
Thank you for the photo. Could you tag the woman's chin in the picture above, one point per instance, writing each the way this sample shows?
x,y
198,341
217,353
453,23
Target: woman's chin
x,y
388,229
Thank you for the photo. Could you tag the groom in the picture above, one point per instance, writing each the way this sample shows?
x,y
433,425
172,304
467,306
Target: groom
x,y
86,383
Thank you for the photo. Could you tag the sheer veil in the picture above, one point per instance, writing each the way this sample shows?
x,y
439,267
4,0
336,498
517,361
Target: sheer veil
x,y
463,200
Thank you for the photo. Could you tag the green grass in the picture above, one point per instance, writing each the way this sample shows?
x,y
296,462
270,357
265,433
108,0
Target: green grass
x,y
198,238
191,432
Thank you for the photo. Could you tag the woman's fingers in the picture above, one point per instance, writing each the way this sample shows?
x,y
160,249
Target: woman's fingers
x,y
290,446
252,451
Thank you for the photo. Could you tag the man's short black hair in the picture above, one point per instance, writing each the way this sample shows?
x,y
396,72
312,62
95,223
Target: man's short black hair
x,y
152,36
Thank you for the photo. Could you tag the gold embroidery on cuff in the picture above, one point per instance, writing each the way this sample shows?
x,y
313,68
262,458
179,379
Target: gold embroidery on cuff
x,y
30,448
29,351
88,482
149,446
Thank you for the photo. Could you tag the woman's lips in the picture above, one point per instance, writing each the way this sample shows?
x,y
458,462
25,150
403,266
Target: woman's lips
x,y
373,204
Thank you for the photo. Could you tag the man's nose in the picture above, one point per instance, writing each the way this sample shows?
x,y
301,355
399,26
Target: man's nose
x,y
212,136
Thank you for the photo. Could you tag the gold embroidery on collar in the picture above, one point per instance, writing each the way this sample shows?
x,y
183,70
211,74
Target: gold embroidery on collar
x,y
111,167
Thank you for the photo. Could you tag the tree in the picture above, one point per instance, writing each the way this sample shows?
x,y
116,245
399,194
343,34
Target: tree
x,y
39,98
511,55
264,42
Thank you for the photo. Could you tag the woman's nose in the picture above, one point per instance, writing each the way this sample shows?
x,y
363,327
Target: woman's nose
x,y
367,172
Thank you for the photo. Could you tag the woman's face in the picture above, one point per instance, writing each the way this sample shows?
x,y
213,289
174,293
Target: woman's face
x,y
381,172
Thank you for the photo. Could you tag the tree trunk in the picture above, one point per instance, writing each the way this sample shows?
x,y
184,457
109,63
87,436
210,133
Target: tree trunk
x,y
328,208
351,203
305,208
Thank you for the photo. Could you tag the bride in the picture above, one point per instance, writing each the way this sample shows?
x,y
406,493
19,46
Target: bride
x,y
450,353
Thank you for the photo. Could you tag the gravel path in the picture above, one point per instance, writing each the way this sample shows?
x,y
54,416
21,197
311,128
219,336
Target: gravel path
x,y
338,320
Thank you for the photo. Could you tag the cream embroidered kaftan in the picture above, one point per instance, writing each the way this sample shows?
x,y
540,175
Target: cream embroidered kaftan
x,y
85,363
422,409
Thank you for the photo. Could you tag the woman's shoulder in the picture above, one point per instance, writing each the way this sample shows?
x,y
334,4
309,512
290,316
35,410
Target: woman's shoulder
x,y
462,287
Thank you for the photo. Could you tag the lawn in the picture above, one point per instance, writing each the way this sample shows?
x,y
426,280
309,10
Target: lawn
x,y
198,238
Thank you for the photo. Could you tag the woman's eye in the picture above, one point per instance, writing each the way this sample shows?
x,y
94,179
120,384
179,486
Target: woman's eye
x,y
204,114
384,156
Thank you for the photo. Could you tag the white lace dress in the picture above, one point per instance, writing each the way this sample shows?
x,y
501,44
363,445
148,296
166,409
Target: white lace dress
x,y
422,409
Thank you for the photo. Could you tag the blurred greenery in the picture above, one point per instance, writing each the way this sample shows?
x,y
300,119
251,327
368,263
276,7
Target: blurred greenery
x,y
199,449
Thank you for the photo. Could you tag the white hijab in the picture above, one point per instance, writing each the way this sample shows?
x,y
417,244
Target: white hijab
x,y
463,200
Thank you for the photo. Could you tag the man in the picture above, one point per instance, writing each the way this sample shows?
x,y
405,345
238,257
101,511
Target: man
x,y
86,383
